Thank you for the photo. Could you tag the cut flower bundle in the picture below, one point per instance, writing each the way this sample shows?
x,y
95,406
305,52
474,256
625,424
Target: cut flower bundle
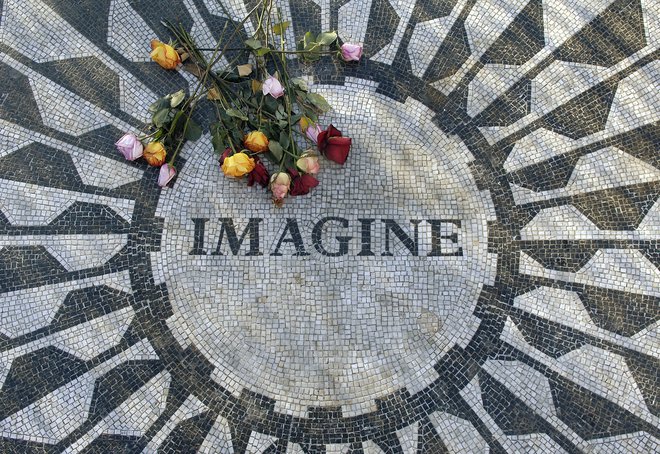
x,y
262,112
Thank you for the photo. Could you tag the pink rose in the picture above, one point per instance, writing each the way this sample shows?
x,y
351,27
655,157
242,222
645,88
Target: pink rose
x,y
130,146
167,172
279,186
272,87
309,163
313,132
351,52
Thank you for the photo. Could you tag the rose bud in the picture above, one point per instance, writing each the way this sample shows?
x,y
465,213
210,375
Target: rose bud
x,y
279,185
256,141
309,163
313,133
302,184
164,55
333,146
259,174
351,52
238,165
154,154
130,147
167,172
273,87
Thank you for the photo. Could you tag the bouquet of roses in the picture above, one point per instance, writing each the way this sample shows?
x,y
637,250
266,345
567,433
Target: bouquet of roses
x,y
263,113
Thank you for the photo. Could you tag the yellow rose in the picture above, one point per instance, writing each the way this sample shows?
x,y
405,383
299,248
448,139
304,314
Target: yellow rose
x,y
238,165
155,154
256,141
164,55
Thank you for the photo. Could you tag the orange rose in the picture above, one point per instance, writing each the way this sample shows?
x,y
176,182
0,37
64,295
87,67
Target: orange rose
x,y
164,55
256,141
155,154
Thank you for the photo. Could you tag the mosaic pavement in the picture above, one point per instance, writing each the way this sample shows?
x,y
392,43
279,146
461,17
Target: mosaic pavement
x,y
483,276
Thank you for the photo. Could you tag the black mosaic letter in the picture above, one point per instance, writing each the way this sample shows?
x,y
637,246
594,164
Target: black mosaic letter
x,y
198,242
410,244
437,236
296,239
234,243
343,240
366,238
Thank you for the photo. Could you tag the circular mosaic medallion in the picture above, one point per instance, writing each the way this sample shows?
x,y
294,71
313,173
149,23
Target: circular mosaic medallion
x,y
343,296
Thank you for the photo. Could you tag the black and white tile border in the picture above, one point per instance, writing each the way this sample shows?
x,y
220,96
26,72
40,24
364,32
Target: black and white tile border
x,y
557,104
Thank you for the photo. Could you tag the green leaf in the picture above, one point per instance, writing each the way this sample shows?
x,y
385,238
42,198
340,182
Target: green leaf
x,y
193,131
319,101
271,104
280,113
284,140
326,38
261,51
159,104
218,138
300,84
308,40
161,117
277,150
279,29
237,114
253,43
282,123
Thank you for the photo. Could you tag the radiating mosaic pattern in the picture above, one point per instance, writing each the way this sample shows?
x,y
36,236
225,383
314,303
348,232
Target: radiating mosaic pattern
x,y
535,123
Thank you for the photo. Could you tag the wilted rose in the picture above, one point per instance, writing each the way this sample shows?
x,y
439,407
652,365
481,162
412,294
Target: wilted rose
x,y
272,87
333,145
256,141
309,163
238,165
164,55
302,184
279,185
130,146
351,52
167,172
154,154
259,174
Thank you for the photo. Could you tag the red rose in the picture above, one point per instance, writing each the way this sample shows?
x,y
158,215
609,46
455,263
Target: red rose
x,y
259,174
333,145
302,184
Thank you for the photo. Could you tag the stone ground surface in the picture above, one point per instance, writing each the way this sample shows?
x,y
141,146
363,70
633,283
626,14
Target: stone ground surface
x,y
531,127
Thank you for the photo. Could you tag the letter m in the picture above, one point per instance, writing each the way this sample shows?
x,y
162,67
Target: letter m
x,y
252,229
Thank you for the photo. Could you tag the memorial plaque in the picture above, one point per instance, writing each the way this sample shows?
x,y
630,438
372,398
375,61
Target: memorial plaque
x,y
481,275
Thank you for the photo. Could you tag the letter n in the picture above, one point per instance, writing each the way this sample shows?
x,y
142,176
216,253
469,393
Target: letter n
x,y
411,244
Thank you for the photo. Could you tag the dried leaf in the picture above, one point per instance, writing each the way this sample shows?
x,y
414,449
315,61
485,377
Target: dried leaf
x,y
256,86
214,94
244,70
